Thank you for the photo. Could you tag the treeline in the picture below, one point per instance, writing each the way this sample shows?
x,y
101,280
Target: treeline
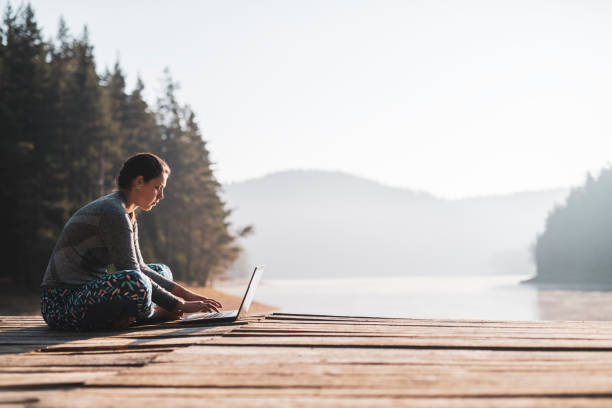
x,y
65,130
576,246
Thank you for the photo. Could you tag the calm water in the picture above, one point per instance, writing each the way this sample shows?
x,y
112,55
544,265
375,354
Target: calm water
x,y
464,297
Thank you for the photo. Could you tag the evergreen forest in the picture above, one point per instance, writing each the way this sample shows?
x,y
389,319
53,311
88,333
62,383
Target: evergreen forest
x,y
576,245
65,130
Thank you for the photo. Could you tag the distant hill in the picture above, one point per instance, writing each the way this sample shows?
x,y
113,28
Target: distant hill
x,y
331,224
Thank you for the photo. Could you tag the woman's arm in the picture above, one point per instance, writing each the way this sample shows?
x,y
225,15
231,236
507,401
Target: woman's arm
x,y
186,300
115,230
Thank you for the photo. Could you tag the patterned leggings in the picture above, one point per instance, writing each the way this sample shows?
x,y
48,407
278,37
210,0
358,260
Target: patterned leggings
x,y
101,303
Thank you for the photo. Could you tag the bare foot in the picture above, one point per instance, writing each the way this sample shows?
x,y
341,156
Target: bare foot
x,y
159,313
124,322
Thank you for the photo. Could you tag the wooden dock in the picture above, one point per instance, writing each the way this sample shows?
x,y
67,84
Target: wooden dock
x,y
286,360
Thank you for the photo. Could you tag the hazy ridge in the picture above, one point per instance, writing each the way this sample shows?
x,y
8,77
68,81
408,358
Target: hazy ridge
x,y
332,224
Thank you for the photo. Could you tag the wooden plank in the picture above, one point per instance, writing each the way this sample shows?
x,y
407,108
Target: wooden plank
x,y
341,326
50,340
280,317
455,332
509,369
246,392
239,355
115,359
31,335
179,398
16,380
180,331
39,324
145,331
123,344
414,342
25,340
229,398
113,352
418,382
59,369
16,349
313,319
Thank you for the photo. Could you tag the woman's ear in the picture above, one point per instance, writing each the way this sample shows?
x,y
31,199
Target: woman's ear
x,y
138,182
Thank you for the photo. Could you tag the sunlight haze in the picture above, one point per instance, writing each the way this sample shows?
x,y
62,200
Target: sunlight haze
x,y
454,98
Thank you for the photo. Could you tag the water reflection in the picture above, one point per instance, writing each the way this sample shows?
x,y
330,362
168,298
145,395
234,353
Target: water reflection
x,y
577,303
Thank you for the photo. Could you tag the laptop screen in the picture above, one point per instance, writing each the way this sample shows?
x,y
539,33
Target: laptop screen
x,y
250,293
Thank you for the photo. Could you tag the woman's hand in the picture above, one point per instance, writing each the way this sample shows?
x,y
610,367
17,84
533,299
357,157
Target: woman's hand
x,y
200,301
211,302
192,303
193,306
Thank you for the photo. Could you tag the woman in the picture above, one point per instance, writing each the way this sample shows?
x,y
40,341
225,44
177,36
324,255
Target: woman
x,y
78,292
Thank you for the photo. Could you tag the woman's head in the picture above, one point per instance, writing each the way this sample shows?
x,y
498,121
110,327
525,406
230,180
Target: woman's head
x,y
142,178
147,165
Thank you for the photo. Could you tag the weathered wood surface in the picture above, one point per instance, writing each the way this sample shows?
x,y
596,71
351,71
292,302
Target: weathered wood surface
x,y
284,360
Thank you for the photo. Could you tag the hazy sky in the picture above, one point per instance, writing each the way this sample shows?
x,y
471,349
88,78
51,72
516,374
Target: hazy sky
x,y
458,98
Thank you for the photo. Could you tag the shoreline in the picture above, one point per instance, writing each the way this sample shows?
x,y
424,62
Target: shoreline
x,y
541,284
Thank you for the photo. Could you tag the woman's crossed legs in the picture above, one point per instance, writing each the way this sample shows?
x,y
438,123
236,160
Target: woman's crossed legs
x,y
103,303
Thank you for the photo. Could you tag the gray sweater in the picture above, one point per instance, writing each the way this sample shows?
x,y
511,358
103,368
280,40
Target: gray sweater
x,y
97,235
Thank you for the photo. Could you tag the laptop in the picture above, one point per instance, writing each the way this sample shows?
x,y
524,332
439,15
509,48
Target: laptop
x,y
228,315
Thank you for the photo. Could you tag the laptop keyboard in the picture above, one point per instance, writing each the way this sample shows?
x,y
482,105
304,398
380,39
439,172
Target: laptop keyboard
x,y
197,316
227,313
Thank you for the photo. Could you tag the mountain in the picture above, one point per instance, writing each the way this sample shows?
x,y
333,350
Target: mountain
x,y
331,224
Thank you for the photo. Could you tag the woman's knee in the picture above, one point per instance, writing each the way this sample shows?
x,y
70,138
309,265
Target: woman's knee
x,y
137,287
163,270
134,282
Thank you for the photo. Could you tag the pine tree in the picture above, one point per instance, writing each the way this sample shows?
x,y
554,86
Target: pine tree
x,y
24,88
142,132
575,245
61,66
212,253
116,101
87,125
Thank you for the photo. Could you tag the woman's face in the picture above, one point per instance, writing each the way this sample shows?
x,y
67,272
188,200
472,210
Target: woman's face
x,y
149,193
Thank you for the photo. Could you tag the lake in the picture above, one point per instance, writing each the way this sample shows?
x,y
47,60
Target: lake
x,y
454,297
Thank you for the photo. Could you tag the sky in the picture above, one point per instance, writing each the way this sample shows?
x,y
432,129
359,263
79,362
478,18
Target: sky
x,y
456,98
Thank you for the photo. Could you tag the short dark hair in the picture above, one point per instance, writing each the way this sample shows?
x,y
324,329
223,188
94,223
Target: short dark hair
x,y
147,165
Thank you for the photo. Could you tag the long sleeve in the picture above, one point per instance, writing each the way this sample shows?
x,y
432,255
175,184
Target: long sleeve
x,y
167,284
117,232
161,296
